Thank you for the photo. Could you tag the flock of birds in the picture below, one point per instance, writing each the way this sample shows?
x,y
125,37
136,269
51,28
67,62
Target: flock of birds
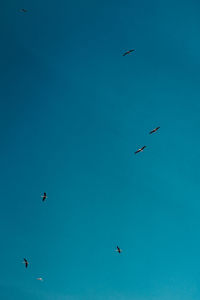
x,y
152,131
26,263
44,196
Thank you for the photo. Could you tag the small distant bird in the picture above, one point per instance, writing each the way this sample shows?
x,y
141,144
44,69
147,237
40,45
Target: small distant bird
x,y
154,130
44,197
128,52
24,10
118,250
26,262
40,279
140,150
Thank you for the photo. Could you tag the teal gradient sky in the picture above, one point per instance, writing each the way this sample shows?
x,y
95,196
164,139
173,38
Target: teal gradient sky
x,y
72,112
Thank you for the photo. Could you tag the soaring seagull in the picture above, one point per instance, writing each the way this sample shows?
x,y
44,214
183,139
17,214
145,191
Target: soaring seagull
x,y
118,250
26,262
140,150
44,197
154,130
128,52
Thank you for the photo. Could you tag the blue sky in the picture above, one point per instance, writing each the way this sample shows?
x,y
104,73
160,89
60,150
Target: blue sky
x,y
73,110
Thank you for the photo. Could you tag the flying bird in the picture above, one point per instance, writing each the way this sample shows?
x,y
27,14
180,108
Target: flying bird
x,y
40,279
26,262
44,197
140,150
128,52
118,250
24,10
154,130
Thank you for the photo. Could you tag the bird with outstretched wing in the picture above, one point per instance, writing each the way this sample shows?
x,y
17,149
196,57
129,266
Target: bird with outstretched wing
x,y
44,197
118,250
26,262
140,150
128,52
154,130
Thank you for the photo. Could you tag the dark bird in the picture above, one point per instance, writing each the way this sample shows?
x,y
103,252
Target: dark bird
x,y
154,130
24,10
26,262
44,197
128,52
118,250
140,150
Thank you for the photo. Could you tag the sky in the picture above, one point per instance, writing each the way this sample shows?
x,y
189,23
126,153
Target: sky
x,y
73,111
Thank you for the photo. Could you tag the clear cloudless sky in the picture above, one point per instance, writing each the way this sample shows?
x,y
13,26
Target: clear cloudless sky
x,y
72,112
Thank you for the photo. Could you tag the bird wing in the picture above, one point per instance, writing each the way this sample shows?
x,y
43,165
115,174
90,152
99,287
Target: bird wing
x,y
128,52
26,262
137,151
154,130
